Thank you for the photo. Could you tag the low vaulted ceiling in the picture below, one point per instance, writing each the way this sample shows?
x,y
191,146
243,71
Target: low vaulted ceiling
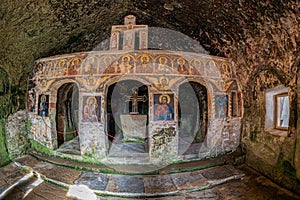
x,y
255,34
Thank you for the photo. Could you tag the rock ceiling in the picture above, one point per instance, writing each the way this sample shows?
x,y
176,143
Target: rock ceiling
x,y
255,34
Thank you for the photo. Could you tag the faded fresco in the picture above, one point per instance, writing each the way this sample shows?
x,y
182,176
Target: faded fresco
x,y
162,72
221,105
43,105
91,110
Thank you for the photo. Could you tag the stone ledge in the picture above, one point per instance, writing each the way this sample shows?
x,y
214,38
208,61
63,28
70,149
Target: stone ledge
x,y
152,186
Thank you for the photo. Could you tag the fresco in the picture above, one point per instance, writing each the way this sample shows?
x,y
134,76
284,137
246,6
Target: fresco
x,y
91,111
43,105
163,107
221,105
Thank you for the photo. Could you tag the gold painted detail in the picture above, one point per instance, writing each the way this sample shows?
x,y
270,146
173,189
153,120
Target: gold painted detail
x,y
134,63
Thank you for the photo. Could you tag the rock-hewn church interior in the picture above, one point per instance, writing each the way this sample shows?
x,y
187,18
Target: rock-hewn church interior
x,y
149,99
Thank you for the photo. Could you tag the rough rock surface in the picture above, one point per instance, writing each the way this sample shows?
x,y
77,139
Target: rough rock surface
x,y
261,37
16,134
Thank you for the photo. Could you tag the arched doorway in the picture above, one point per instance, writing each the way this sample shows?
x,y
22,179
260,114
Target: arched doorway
x,y
192,117
67,113
120,101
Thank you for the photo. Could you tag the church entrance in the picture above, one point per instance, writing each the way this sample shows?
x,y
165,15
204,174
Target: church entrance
x,y
67,116
127,117
192,116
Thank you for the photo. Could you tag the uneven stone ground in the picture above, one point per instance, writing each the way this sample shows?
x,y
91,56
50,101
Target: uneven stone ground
x,y
251,186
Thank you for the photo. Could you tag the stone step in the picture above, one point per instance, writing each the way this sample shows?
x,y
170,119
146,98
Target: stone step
x,y
17,183
137,186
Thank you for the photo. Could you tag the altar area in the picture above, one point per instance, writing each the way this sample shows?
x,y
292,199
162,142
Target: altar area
x,y
130,101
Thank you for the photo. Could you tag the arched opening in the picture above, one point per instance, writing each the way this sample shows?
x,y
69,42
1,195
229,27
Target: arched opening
x,y
192,117
127,99
67,115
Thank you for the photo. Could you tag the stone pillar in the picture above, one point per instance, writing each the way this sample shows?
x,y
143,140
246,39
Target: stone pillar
x,y
92,140
163,141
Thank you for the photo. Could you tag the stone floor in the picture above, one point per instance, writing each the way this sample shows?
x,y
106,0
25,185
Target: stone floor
x,y
70,147
65,179
117,148
127,148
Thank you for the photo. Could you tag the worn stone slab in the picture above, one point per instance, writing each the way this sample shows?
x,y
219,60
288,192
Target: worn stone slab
x,y
209,194
95,181
52,171
48,191
10,174
132,184
134,125
155,184
43,165
27,161
188,180
122,149
217,173
70,147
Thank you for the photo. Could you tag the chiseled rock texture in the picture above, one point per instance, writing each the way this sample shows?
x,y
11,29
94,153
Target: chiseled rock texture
x,y
16,134
261,37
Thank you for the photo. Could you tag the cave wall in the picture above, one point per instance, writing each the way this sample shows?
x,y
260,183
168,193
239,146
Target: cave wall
x,y
273,152
266,59
261,37
4,157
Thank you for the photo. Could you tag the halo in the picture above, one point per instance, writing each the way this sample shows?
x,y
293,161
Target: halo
x,y
43,98
107,60
163,57
126,56
196,62
75,60
62,63
164,95
50,65
40,66
145,56
164,78
90,59
88,99
181,58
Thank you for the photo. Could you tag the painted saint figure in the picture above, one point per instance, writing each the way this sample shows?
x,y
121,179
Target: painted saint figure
x,y
114,43
90,110
221,103
163,65
181,66
125,65
143,65
164,111
43,106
